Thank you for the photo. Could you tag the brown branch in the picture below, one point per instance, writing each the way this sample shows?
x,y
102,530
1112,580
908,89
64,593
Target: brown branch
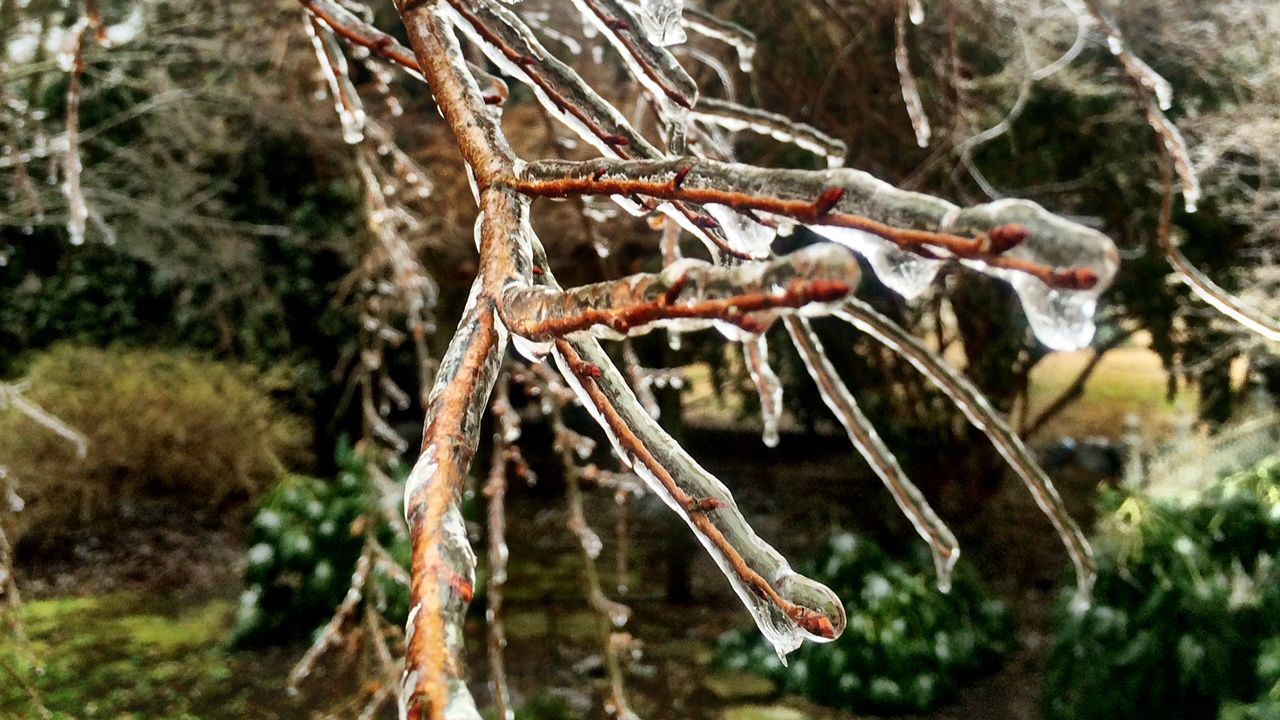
x,y
814,275
603,178
495,490
467,371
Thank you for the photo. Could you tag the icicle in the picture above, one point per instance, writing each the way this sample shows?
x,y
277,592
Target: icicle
x,y
788,608
970,401
916,11
333,63
71,60
756,353
910,93
662,23
734,117
903,272
863,435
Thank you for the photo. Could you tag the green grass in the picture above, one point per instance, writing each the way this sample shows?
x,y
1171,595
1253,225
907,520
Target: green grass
x,y
1128,381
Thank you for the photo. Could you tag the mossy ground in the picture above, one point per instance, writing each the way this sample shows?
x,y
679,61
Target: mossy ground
x,y
129,656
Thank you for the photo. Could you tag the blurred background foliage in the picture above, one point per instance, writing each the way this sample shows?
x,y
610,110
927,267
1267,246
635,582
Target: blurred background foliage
x,y
1186,615
158,424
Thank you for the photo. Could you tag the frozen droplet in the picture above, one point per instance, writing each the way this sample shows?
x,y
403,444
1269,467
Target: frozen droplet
x,y
944,566
827,620
769,435
591,543
1061,319
903,272
16,503
916,12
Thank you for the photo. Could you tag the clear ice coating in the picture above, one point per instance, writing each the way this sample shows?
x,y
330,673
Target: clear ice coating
x,y
905,273
734,117
333,63
787,608
687,295
662,21
756,352
975,407
1061,319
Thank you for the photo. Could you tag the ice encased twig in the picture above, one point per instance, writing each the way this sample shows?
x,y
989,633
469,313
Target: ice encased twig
x,y
975,407
863,435
787,607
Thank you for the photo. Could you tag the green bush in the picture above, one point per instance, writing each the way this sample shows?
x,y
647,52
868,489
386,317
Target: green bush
x,y
1267,707
304,542
1187,598
906,646
161,423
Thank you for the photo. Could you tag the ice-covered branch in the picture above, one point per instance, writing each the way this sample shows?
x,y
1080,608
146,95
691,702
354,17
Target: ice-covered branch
x,y
686,290
707,25
495,492
1201,284
331,634
906,79
755,351
12,395
1158,97
856,200
970,401
355,30
863,435
787,607
655,68
511,45
443,566
72,60
735,117
333,63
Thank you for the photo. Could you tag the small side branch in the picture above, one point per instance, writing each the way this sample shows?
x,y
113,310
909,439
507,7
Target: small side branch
x,y
686,290
358,32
